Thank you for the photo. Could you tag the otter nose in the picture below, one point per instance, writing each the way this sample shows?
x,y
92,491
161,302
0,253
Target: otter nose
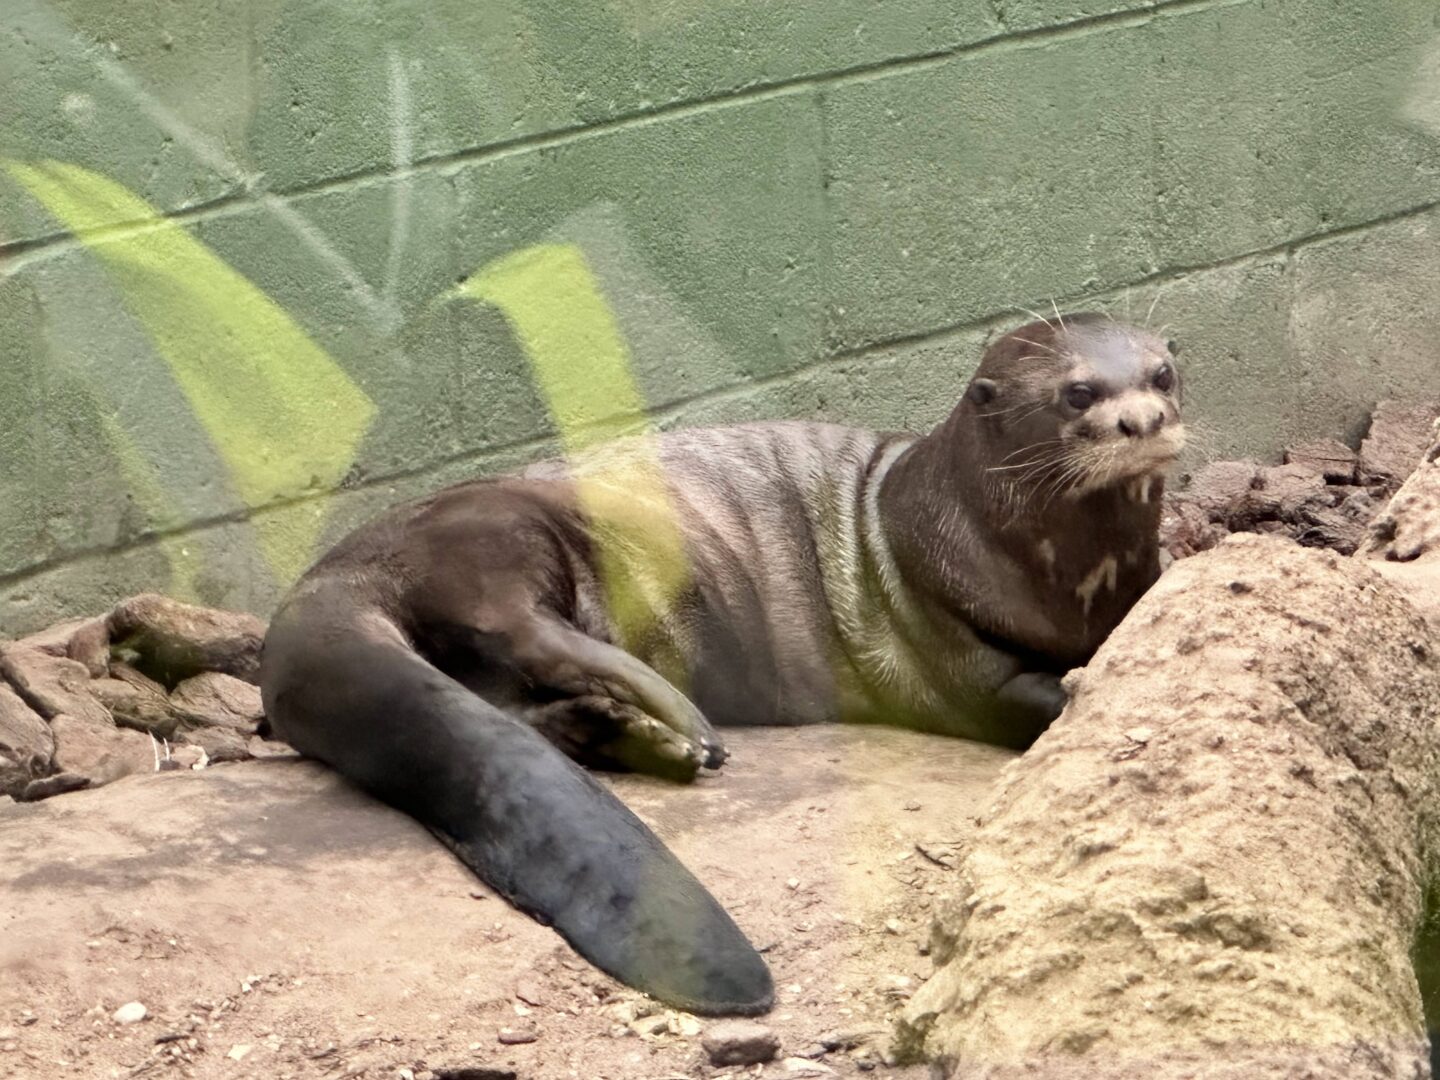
x,y
1138,423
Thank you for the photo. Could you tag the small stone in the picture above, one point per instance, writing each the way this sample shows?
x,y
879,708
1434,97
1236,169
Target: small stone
x,y
269,748
1221,488
1285,489
740,1042
799,1066
136,707
689,1026
1140,734
172,641
188,757
219,744
517,1036
793,883
624,1012
649,1026
27,745
99,751
239,1050
1399,436
52,685
132,1012
527,991
892,926
213,699
865,1059
1331,459
86,641
912,806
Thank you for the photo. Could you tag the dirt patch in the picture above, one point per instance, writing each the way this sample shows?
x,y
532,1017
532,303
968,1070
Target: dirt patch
x,y
269,911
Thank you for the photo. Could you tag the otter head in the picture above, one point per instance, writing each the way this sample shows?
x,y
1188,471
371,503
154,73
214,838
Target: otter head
x,y
1075,406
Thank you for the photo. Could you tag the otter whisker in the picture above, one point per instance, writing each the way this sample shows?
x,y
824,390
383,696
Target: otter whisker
x,y
1023,416
1044,444
1053,458
1036,344
1159,292
1058,315
1066,479
1030,406
1038,316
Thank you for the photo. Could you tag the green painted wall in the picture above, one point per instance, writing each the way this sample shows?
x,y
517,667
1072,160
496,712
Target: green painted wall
x,y
231,232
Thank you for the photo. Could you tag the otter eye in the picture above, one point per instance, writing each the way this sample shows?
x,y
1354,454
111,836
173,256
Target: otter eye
x,y
1164,378
1172,347
1079,396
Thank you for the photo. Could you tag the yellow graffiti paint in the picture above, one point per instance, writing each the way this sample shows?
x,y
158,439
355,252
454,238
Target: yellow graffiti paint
x,y
282,414
555,307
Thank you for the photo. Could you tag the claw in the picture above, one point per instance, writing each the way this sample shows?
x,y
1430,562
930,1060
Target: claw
x,y
715,755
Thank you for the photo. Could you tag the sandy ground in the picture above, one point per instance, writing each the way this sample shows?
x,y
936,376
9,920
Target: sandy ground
x,y
276,923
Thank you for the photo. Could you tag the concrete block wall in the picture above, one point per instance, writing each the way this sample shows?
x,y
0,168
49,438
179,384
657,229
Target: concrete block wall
x,y
231,235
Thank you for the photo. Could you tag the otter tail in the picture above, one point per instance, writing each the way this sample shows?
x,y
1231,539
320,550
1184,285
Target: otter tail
x,y
342,685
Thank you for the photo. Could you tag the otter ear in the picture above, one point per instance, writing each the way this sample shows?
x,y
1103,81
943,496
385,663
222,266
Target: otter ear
x,y
982,391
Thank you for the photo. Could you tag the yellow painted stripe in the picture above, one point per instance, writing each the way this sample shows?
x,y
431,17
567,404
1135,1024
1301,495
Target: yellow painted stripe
x,y
555,307
283,415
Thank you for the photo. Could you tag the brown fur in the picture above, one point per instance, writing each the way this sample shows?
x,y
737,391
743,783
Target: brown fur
x,y
943,582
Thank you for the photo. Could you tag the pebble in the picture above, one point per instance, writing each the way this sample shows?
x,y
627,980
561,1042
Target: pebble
x,y
528,992
649,1025
892,926
740,1042
798,1066
689,1026
132,1012
518,1036
238,1051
